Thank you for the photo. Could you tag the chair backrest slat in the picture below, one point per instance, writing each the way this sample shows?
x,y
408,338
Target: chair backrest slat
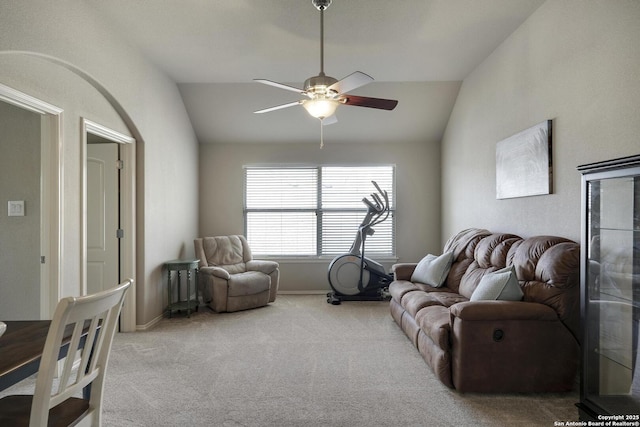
x,y
91,336
69,361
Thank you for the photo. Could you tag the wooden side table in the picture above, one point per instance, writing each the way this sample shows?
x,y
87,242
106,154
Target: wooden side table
x,y
187,304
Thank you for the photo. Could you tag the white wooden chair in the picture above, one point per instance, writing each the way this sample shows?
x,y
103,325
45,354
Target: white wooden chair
x,y
57,405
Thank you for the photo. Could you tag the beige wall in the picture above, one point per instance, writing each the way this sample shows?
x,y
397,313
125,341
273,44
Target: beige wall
x,y
417,191
55,85
86,69
19,235
572,61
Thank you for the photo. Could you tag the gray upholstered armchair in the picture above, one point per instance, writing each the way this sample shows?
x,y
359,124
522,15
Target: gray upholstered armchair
x,y
230,279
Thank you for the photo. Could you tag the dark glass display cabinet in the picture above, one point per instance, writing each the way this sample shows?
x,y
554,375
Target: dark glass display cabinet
x,y
610,289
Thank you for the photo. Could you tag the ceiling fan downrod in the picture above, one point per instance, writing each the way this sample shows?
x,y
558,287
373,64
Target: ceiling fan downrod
x,y
321,5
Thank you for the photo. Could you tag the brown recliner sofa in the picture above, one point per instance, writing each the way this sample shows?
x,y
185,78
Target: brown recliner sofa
x,y
531,345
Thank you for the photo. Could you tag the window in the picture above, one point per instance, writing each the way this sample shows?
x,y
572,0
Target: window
x,y
314,211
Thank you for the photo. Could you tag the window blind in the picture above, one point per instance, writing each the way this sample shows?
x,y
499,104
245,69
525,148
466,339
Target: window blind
x,y
307,211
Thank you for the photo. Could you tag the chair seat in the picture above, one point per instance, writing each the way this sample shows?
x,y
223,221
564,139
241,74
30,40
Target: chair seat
x,y
248,283
15,411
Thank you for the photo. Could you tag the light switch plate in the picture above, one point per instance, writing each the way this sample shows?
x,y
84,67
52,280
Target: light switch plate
x,y
16,207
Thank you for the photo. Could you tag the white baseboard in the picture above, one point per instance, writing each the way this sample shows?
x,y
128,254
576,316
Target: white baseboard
x,y
314,292
151,324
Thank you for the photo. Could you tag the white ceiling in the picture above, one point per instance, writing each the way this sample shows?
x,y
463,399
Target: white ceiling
x,y
414,49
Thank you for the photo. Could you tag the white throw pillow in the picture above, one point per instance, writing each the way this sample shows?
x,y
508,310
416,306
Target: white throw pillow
x,y
432,270
498,285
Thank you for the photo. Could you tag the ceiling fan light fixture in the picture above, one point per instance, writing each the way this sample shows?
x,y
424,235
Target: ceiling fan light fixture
x,y
321,108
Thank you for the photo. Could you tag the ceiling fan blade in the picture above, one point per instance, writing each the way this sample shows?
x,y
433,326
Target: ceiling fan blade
x,y
278,107
280,85
351,82
364,101
329,120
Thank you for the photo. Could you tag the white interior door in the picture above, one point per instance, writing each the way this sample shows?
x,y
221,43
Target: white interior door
x,y
102,216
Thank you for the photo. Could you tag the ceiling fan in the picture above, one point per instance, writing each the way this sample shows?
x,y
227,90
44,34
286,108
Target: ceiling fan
x,y
324,93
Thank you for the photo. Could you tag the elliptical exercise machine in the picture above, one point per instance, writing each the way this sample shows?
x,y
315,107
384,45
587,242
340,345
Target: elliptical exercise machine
x,y
352,276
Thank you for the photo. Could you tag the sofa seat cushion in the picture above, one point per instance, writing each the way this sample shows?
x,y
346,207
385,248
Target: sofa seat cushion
x,y
447,299
398,288
415,301
435,322
248,283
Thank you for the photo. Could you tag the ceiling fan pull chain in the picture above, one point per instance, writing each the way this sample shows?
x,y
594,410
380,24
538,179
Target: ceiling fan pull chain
x,y
321,134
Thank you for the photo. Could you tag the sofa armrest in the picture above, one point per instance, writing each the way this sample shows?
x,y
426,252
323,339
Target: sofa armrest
x,y
502,310
263,266
215,271
403,271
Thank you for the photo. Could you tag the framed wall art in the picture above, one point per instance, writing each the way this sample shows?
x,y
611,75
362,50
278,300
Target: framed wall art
x,y
523,163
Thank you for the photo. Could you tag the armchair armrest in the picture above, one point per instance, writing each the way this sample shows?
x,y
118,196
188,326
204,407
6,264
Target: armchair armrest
x,y
502,310
263,266
403,271
215,271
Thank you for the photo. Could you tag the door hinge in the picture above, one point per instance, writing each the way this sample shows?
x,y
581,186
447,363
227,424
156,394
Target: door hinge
x,y
42,259
119,164
119,233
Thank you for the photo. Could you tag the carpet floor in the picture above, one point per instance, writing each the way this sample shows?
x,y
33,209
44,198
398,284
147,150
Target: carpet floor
x,y
297,362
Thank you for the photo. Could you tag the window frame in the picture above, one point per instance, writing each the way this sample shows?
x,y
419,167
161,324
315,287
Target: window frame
x,y
319,211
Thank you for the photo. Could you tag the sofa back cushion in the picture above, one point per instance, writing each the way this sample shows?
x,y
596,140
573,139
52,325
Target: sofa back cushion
x,y
489,255
463,246
548,268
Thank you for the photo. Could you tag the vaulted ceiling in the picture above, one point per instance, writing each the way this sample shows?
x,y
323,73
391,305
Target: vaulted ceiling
x,y
418,51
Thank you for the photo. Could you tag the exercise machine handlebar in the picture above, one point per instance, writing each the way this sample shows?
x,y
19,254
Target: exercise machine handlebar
x,y
376,213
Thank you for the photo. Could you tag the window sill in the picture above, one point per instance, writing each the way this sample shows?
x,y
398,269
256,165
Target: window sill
x,y
317,260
